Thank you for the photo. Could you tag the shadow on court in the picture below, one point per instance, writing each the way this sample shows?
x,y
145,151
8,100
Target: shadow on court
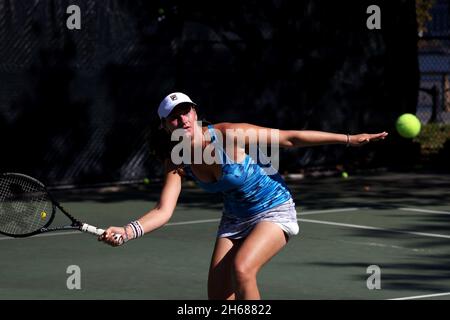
x,y
422,278
424,266
384,190
327,260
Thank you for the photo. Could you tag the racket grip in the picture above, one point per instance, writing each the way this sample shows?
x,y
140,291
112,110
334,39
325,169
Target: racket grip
x,y
98,232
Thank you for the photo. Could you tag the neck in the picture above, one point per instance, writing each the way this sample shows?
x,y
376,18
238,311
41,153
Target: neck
x,y
199,138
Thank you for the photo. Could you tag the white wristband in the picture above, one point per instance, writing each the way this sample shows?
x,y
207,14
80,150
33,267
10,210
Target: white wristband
x,y
136,227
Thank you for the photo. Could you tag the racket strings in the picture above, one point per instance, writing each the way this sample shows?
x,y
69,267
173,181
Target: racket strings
x,y
24,205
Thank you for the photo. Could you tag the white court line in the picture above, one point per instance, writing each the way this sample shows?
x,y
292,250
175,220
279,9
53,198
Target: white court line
x,y
422,234
77,232
329,211
180,223
300,219
190,222
424,296
53,234
424,210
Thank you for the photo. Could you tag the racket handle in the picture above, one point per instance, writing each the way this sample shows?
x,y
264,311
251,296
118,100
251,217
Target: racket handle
x,y
98,232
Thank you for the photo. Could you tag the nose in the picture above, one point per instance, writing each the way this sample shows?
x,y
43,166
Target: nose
x,y
183,118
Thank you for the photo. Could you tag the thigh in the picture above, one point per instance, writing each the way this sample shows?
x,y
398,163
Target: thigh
x,y
220,278
263,242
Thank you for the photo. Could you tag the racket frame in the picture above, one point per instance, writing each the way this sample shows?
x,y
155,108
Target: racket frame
x,y
75,223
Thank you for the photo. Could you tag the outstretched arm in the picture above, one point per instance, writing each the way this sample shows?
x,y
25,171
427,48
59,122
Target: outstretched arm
x,y
304,138
155,218
293,138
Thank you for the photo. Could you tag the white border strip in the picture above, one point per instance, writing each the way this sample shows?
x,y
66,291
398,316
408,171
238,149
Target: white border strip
x,y
424,296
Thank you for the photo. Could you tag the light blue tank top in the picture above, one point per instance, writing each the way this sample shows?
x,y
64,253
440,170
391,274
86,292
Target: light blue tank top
x,y
246,187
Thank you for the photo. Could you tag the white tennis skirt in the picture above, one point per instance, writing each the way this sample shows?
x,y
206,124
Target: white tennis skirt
x,y
284,215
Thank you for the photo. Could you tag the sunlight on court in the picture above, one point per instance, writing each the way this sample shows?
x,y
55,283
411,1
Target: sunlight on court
x,y
329,259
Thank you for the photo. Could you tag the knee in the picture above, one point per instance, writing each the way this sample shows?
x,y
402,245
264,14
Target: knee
x,y
244,271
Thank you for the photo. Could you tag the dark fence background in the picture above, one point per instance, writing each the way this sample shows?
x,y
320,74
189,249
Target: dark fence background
x,y
77,106
433,107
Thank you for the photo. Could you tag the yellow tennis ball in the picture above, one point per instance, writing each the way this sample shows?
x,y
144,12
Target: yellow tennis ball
x,y
43,214
146,180
344,175
408,125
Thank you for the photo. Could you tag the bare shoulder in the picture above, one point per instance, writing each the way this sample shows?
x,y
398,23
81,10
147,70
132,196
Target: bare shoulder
x,y
242,128
249,132
231,129
223,126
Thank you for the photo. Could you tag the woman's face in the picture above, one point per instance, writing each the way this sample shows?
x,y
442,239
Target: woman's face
x,y
182,117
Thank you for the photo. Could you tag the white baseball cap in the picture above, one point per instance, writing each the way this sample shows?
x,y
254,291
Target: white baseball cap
x,y
170,102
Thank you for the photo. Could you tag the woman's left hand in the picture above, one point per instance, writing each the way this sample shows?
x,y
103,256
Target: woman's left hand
x,y
358,140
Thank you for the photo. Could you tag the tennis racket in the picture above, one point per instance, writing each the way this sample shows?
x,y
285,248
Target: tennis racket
x,y
27,209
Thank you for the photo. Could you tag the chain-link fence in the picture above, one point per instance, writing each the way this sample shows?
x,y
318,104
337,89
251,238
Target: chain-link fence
x,y
434,94
75,106
433,105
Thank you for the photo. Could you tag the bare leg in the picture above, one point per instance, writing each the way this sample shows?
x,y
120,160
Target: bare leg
x,y
220,280
264,242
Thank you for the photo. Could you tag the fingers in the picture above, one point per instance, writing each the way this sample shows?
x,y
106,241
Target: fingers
x,y
108,236
379,136
365,138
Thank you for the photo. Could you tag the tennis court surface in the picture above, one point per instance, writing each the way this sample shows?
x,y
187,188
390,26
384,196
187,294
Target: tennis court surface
x,y
396,222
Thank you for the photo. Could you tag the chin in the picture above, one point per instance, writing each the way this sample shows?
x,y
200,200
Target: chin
x,y
188,133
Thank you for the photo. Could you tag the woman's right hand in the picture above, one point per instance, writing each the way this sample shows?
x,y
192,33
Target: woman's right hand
x,y
114,236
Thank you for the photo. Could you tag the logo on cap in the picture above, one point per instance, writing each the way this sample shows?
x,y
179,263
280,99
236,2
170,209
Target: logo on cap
x,y
173,97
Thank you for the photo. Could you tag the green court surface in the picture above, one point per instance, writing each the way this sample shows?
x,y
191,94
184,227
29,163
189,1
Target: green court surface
x,y
399,222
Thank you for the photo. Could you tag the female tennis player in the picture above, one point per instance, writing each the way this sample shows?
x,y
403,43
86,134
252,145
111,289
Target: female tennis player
x,y
259,213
